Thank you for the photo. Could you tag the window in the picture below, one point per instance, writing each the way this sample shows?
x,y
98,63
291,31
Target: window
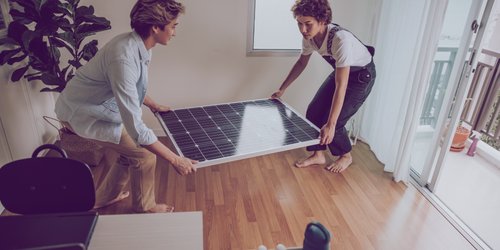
x,y
4,17
272,29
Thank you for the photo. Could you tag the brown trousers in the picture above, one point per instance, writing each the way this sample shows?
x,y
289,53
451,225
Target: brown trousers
x,y
135,163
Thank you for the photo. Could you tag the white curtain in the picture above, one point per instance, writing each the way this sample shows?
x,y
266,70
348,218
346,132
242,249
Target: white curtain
x,y
407,38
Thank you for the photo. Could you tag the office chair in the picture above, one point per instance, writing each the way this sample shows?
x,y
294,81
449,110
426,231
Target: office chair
x,y
40,185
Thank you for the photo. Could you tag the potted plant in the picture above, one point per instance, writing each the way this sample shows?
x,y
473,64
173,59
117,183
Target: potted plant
x,y
461,135
38,32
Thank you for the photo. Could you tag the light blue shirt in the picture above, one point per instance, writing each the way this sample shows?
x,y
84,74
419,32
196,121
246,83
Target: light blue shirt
x,y
108,91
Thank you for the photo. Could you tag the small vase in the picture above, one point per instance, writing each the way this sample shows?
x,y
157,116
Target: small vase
x,y
461,135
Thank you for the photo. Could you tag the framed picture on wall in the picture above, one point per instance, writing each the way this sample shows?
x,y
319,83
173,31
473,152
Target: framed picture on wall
x,y
4,17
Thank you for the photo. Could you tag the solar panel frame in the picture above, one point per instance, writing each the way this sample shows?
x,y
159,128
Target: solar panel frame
x,y
226,132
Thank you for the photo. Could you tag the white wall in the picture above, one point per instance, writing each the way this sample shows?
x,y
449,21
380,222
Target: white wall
x,y
205,64
21,109
492,32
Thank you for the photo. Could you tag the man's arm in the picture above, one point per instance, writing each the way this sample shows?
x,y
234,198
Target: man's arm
x,y
155,107
182,165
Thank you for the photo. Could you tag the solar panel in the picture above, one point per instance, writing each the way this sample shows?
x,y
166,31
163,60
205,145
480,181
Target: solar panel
x,y
233,131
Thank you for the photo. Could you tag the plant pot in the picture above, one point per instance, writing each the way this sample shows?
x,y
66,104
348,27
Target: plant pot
x,y
461,135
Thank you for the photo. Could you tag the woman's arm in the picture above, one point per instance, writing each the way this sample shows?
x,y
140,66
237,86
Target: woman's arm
x,y
341,79
295,72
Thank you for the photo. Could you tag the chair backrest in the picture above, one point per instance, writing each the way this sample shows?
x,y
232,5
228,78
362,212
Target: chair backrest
x,y
46,184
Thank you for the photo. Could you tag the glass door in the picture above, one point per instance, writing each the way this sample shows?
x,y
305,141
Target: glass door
x,y
449,68
454,66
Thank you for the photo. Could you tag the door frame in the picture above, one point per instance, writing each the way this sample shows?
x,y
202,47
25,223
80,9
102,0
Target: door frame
x,y
460,78
461,90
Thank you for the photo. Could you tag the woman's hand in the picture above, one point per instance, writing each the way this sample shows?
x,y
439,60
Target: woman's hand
x,y
184,165
277,94
326,134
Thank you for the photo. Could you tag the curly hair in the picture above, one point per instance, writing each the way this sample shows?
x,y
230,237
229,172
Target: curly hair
x,y
148,13
319,9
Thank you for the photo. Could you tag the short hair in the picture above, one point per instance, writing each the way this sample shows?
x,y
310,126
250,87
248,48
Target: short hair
x,y
149,13
319,9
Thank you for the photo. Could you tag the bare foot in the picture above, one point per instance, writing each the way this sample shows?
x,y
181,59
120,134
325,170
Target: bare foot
x,y
340,164
161,208
121,196
316,158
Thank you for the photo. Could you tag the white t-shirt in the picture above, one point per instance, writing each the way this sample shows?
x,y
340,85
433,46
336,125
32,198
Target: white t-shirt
x,y
347,50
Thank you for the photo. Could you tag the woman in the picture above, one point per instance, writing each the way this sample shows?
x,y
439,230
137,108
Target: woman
x,y
103,103
344,90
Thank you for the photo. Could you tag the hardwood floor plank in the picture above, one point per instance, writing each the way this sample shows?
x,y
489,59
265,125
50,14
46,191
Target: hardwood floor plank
x,y
266,200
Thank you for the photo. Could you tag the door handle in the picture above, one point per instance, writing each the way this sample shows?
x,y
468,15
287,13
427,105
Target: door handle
x,y
474,26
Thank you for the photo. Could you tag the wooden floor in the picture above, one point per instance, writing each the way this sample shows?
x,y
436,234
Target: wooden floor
x,y
265,200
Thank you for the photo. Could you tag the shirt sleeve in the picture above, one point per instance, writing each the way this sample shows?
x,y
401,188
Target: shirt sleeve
x,y
342,50
307,48
123,78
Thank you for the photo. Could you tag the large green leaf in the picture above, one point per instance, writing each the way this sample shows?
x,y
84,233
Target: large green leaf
x,y
40,50
56,89
73,2
16,59
64,24
94,19
89,50
31,78
49,90
16,31
21,17
56,55
84,11
60,43
5,55
91,28
51,79
25,3
75,63
67,9
39,4
7,41
29,36
68,37
18,73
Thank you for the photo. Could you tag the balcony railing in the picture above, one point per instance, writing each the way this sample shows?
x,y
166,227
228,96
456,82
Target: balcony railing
x,y
482,109
441,70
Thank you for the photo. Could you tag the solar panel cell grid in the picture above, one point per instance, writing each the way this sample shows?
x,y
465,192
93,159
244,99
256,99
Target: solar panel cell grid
x,y
221,133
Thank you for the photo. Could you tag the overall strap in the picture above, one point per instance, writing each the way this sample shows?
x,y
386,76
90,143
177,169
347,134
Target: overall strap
x,y
331,34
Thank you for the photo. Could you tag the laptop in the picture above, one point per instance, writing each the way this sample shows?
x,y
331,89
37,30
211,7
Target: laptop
x,y
70,231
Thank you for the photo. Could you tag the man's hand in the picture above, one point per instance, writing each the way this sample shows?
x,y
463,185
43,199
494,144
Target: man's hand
x,y
159,108
277,94
153,106
326,135
184,165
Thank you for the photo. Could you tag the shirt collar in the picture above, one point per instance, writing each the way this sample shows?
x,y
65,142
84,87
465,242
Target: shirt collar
x,y
144,54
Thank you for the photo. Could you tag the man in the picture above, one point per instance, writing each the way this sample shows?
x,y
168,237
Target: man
x,y
103,103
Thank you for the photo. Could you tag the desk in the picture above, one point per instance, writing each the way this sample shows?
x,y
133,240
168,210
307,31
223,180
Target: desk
x,y
180,230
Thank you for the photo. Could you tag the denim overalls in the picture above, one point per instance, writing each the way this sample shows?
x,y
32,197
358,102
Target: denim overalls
x,y
360,83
